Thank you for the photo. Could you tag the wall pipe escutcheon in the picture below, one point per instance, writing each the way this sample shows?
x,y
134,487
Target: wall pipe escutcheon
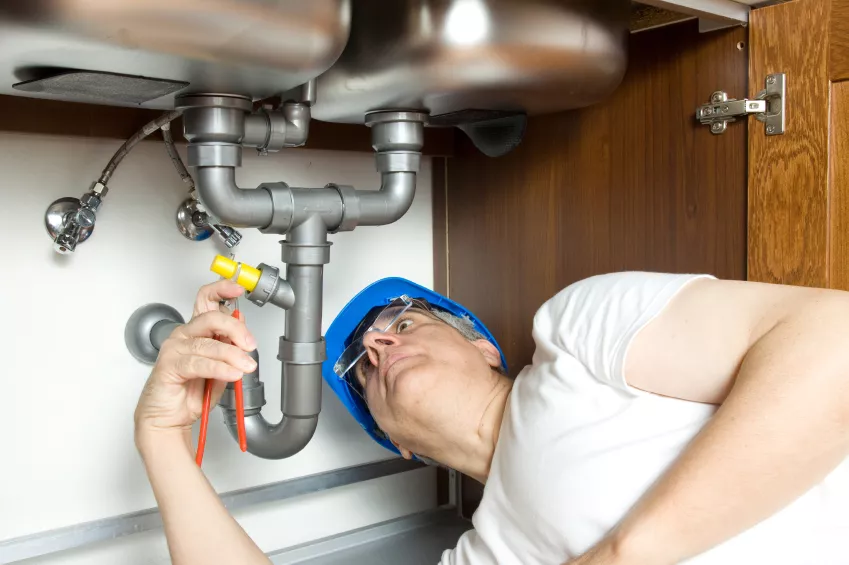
x,y
147,328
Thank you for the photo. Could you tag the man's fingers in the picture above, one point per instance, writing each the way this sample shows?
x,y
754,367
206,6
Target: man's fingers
x,y
217,391
210,295
216,350
196,388
218,324
197,367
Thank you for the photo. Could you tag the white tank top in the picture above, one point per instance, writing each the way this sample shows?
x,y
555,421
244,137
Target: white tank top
x,y
578,446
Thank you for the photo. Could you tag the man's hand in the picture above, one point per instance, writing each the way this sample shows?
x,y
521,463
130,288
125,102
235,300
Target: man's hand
x,y
172,398
198,527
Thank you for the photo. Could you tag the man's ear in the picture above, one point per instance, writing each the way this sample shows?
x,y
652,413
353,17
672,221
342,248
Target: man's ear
x,y
489,352
405,453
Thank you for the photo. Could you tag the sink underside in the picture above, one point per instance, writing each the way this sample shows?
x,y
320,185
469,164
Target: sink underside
x,y
469,59
250,47
532,56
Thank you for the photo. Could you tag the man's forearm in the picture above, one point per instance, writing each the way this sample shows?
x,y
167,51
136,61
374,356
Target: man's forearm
x,y
783,427
199,529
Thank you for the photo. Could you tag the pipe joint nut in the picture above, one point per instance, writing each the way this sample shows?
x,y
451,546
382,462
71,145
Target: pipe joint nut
x,y
214,155
257,128
272,288
91,201
305,254
213,117
300,353
100,189
398,162
396,131
283,207
266,286
254,399
269,130
350,207
278,127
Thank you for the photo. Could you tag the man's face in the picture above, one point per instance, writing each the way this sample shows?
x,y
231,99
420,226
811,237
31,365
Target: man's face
x,y
421,379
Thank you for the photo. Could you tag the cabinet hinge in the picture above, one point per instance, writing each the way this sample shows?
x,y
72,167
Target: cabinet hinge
x,y
767,107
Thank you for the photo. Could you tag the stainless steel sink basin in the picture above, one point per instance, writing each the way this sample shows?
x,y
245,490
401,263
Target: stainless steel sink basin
x,y
450,56
252,47
464,61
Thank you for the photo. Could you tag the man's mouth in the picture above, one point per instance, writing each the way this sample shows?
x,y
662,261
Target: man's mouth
x,y
390,361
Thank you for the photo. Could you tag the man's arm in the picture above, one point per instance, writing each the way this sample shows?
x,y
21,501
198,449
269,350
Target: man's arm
x,y
198,527
777,359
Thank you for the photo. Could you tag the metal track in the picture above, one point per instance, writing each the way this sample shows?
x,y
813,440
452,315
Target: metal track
x,y
78,535
417,539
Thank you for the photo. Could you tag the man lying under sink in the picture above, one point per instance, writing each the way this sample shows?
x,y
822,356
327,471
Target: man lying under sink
x,y
664,419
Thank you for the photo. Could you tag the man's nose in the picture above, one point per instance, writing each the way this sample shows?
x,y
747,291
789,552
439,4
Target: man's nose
x,y
375,342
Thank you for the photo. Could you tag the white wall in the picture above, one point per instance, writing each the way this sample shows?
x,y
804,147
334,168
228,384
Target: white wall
x,y
69,385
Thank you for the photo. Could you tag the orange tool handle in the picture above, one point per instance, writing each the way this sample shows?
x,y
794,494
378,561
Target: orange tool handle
x,y
207,406
204,420
240,404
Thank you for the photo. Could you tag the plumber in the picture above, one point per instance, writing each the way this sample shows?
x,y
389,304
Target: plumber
x,y
664,419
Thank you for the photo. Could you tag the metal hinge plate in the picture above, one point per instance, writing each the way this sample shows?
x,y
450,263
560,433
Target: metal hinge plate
x,y
767,107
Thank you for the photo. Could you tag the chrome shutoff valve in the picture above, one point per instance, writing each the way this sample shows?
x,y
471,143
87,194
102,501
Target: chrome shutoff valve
x,y
195,223
70,221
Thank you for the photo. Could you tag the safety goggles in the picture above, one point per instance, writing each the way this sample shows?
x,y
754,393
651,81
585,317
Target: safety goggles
x,y
384,321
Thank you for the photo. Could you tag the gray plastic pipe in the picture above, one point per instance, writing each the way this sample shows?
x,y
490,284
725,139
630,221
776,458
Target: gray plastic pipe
x,y
234,206
216,127
273,442
162,331
274,130
391,202
301,390
245,208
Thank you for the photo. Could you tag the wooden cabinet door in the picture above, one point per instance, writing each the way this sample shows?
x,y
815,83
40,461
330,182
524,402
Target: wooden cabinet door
x,y
798,230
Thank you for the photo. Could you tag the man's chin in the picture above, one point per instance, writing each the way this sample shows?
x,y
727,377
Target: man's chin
x,y
400,369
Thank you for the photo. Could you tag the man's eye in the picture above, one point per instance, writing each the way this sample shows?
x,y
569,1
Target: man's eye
x,y
404,324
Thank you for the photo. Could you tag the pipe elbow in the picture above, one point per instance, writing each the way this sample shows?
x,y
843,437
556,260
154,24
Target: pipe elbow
x,y
277,441
234,206
275,130
298,117
391,202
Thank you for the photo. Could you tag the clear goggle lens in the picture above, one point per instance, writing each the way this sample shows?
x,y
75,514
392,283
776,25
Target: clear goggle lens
x,y
382,323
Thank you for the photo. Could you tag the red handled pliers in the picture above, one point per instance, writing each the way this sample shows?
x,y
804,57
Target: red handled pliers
x,y
207,406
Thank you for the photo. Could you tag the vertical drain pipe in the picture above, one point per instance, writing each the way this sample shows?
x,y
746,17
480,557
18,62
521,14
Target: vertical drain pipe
x,y
301,352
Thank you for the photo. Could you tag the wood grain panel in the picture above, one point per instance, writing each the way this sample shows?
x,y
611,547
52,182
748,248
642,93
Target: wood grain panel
x,y
838,40
51,117
439,172
839,190
631,183
788,174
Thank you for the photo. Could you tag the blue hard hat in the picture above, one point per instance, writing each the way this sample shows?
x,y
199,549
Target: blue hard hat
x,y
341,332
